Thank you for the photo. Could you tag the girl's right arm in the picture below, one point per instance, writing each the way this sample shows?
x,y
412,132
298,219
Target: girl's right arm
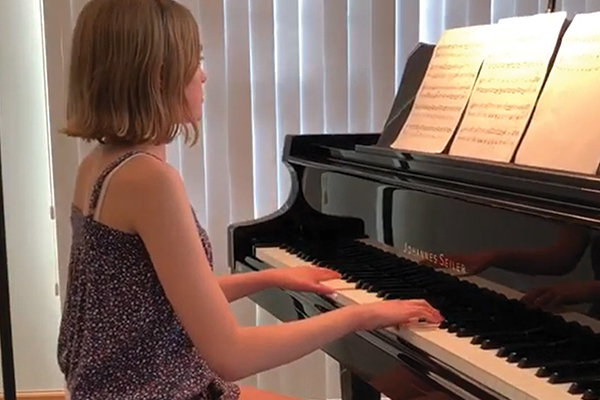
x,y
161,214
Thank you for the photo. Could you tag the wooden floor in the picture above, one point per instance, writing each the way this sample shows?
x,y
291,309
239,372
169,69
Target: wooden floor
x,y
41,395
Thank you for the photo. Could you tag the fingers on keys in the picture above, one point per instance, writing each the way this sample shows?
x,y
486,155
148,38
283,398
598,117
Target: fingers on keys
x,y
420,310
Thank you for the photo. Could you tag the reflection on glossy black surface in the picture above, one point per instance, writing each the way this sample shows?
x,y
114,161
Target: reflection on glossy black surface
x,y
555,263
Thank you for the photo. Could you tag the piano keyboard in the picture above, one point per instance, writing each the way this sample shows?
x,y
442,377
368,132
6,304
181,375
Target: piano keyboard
x,y
488,338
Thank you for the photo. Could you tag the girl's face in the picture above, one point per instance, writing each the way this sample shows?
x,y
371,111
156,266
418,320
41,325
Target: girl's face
x,y
194,93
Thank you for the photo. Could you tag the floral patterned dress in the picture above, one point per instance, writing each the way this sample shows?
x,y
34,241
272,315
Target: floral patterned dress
x,y
119,336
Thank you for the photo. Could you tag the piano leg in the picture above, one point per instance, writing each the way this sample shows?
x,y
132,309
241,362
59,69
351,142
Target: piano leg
x,y
354,388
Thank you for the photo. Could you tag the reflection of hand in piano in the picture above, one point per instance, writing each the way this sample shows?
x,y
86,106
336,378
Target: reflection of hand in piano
x,y
475,263
557,258
550,297
303,279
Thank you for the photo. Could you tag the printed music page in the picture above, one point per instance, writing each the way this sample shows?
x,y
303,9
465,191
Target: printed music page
x,y
445,89
564,133
508,87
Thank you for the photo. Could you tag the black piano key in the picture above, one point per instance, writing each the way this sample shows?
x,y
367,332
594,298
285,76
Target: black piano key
x,y
357,276
495,336
508,342
465,321
516,328
483,326
581,385
571,373
576,388
592,355
508,334
591,394
582,349
402,295
526,345
542,348
592,390
386,285
538,360
549,331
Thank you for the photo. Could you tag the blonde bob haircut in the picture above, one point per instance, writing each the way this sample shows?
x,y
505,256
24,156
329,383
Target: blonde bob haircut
x,y
131,61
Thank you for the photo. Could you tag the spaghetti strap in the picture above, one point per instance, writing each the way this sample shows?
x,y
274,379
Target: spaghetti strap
x,y
101,180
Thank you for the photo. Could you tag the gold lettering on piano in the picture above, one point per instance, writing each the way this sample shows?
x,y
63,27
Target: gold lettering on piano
x,y
563,133
434,259
508,87
445,89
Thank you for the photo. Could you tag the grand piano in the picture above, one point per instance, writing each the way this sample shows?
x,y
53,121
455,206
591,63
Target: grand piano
x,y
400,224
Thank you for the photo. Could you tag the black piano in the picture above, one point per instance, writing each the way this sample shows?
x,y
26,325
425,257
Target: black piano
x,y
408,225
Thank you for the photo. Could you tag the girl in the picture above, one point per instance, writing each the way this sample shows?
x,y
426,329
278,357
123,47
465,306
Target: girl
x,y
144,316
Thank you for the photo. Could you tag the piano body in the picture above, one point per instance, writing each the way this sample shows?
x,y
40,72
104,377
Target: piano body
x,y
404,225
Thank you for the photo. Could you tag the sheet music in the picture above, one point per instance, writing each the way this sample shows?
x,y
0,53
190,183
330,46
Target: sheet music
x,y
565,129
508,87
445,90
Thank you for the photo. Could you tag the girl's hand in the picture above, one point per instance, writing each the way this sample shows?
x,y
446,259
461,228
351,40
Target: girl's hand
x,y
395,313
303,279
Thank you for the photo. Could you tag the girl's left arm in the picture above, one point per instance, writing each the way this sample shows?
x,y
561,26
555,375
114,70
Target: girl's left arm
x,y
237,286
302,279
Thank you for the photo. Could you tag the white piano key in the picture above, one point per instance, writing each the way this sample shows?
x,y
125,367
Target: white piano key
x,y
279,258
356,296
471,361
483,365
340,284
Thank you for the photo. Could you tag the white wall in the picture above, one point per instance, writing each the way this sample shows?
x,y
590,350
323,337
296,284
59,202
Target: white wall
x,y
26,178
66,151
